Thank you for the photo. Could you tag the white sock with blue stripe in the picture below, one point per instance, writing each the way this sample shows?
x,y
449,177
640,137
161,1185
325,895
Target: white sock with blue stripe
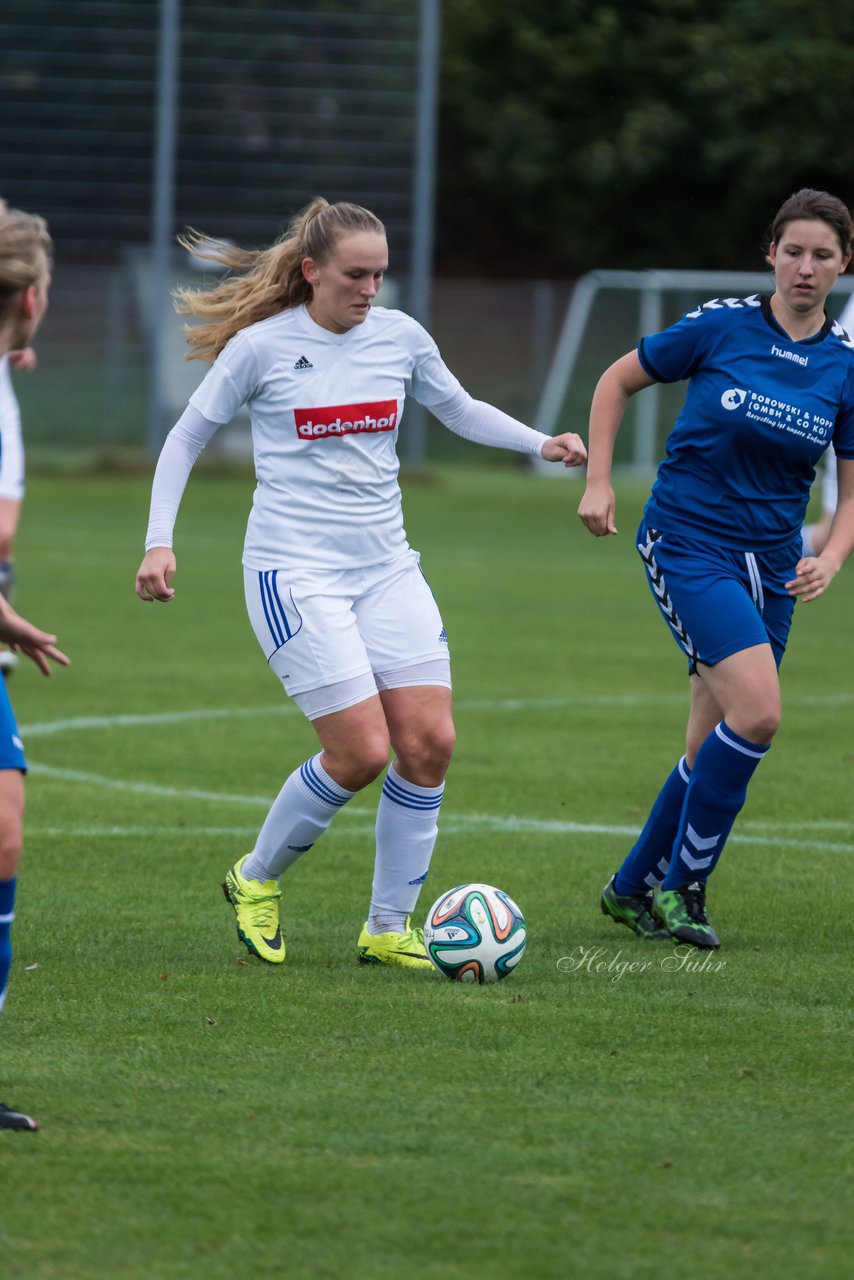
x,y
299,815
407,819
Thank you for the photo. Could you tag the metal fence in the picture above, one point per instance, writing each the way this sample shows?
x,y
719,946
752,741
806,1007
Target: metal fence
x,y
126,120
277,102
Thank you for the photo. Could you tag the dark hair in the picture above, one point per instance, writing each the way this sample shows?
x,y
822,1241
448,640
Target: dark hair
x,y
814,206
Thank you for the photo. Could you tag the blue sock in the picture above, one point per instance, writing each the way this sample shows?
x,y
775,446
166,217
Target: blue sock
x,y
718,788
646,863
7,915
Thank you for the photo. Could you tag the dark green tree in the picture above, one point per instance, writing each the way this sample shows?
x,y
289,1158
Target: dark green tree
x,y
635,133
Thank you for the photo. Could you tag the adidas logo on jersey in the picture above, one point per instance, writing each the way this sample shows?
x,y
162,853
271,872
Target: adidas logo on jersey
x,y
303,363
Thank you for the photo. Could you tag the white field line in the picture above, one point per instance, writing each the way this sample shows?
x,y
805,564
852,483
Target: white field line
x,y
78,724
357,820
360,821
145,788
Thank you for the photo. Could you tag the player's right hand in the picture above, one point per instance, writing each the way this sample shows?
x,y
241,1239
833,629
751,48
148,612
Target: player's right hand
x,y
155,573
596,509
24,360
24,637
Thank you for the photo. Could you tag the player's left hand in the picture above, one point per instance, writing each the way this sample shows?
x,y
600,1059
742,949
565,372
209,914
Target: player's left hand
x,y
568,449
813,575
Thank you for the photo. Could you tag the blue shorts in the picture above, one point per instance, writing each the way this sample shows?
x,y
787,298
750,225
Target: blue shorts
x,y
11,746
717,601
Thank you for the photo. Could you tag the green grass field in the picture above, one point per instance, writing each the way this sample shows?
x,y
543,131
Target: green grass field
x,y
206,1117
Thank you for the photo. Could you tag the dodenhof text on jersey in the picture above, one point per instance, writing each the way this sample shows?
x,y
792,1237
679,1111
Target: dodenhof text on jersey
x,y
346,419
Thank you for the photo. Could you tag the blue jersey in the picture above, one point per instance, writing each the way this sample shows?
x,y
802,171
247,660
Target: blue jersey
x,y
759,413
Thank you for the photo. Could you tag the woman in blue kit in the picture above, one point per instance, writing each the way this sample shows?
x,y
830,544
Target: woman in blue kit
x,y
770,386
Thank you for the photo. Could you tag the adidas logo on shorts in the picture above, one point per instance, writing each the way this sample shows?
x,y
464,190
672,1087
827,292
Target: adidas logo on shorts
x,y
303,363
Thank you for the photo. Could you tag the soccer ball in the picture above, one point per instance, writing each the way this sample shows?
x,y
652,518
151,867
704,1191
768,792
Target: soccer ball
x,y
475,933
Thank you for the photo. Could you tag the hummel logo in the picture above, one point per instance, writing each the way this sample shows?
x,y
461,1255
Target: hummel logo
x,y
303,363
789,355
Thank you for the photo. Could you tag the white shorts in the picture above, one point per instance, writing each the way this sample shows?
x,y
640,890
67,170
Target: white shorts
x,y
336,637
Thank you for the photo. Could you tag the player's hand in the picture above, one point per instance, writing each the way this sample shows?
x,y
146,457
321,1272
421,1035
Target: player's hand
x,y
596,509
24,360
24,637
813,575
155,573
568,449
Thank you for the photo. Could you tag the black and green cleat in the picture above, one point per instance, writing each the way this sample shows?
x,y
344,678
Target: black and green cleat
x,y
682,911
633,910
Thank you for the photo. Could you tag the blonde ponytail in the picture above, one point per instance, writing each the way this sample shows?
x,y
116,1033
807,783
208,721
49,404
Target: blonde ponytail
x,y
25,254
264,281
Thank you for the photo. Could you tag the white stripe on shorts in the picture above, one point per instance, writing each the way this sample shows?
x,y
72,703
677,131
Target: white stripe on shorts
x,y
755,580
662,595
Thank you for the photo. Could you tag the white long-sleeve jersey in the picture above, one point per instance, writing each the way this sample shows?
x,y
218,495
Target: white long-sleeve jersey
x,y
11,442
325,412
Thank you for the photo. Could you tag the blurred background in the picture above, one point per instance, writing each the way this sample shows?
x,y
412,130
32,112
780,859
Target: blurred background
x,y
510,149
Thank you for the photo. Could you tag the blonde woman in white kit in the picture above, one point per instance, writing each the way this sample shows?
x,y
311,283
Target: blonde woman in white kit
x,y
340,607
11,471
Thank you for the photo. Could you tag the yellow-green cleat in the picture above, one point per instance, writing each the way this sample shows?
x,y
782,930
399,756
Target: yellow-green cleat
x,y
256,906
404,949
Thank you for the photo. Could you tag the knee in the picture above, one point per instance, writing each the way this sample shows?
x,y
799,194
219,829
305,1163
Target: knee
x,y
758,723
767,717
424,756
356,764
766,727
10,850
